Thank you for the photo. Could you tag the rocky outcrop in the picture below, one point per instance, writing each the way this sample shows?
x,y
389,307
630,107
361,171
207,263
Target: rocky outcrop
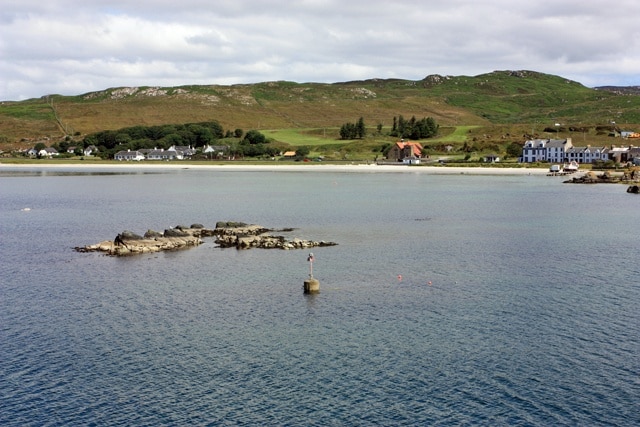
x,y
130,243
634,189
592,178
244,236
227,234
629,176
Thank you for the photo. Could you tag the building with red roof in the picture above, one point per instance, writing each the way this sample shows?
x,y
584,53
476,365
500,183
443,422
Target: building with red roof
x,y
405,151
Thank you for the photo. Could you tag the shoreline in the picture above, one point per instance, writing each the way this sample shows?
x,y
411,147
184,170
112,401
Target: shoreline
x,y
366,168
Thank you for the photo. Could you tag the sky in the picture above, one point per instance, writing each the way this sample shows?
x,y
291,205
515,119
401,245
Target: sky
x,y
72,47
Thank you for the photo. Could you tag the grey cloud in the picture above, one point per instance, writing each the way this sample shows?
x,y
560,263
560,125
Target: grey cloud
x,y
105,43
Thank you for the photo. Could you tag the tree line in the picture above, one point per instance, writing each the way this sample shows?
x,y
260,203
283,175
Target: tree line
x,y
195,135
413,128
402,128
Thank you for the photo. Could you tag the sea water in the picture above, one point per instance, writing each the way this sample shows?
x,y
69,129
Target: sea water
x,y
449,300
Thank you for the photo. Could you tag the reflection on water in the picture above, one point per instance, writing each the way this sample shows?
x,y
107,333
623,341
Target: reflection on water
x,y
9,173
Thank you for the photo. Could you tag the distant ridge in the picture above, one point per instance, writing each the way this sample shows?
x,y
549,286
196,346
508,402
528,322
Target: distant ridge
x,y
621,90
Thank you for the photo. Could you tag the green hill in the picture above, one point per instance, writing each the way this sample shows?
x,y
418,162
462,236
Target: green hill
x,y
494,106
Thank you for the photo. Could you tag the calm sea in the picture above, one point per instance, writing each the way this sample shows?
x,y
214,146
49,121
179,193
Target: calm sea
x,y
518,302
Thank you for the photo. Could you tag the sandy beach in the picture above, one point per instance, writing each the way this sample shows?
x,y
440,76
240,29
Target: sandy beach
x,y
315,167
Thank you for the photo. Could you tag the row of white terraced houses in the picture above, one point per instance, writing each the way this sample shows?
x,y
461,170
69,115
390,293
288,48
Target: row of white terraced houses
x,y
563,151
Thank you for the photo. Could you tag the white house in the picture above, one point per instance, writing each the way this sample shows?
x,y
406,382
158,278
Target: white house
x,y
48,152
90,150
542,150
586,154
186,150
215,150
164,155
129,155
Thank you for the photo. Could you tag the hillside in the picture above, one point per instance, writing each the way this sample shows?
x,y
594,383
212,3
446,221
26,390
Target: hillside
x,y
492,102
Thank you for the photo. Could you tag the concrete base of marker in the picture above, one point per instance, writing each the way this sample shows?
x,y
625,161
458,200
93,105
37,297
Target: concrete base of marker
x,y
311,286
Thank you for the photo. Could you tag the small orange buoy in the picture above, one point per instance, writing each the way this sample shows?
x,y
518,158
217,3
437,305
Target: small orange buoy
x,y
429,283
399,277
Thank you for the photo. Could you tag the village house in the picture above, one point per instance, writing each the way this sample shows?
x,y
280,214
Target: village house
x,y
543,150
90,150
405,152
563,151
215,151
619,154
48,152
186,150
129,155
163,154
587,154
45,152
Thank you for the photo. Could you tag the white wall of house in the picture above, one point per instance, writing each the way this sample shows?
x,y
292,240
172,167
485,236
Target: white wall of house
x,y
561,151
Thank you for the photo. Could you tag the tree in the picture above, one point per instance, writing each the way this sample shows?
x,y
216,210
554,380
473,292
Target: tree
x,y
348,131
122,138
361,131
514,149
63,146
253,150
203,135
353,130
171,139
413,128
238,133
254,137
303,151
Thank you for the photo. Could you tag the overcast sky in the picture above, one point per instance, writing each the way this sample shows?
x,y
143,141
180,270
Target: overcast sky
x,y
72,47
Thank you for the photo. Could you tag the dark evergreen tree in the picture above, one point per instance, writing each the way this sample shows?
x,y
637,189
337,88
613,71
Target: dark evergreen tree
x,y
353,130
361,130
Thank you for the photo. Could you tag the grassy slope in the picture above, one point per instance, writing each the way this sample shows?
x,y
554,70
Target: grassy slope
x,y
487,110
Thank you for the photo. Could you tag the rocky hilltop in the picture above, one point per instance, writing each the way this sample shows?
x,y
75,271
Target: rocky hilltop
x,y
238,235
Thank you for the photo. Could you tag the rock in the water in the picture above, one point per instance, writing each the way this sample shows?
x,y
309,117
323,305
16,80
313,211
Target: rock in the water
x,y
152,234
175,232
228,234
129,235
255,236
